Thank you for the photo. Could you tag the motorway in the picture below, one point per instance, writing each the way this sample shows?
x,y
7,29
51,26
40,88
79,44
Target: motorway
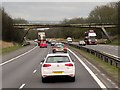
x,y
24,71
108,49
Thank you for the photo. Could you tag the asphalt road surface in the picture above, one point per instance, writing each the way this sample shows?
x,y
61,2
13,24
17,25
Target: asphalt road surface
x,y
108,49
24,72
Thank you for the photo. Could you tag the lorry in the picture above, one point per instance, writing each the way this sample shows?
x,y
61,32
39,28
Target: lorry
x,y
42,39
90,37
41,36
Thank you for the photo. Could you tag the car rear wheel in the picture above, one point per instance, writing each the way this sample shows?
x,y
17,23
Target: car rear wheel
x,y
54,51
65,51
72,79
44,80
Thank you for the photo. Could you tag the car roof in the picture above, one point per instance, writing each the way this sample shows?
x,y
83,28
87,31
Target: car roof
x,y
58,54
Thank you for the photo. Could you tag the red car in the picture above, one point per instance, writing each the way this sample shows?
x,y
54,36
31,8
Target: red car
x,y
43,44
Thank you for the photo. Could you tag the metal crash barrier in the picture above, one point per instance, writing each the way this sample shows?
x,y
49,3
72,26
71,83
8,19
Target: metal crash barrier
x,y
115,61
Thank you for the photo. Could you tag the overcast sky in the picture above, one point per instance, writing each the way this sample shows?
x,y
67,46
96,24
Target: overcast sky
x,y
49,11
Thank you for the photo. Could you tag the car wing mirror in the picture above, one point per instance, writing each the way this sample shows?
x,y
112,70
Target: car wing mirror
x,y
42,61
73,60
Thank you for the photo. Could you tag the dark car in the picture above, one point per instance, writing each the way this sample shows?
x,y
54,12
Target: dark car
x,y
53,42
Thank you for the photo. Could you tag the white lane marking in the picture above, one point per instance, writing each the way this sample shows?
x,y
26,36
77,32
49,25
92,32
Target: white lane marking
x,y
108,79
92,65
111,55
89,70
18,56
22,86
103,74
34,71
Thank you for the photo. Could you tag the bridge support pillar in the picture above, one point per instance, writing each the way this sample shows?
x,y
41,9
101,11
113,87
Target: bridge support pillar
x,y
25,34
106,34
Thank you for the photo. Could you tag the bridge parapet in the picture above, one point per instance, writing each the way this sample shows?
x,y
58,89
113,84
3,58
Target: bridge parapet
x,y
93,25
102,26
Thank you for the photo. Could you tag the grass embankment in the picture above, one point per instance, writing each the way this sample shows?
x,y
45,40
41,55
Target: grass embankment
x,y
7,47
10,49
110,70
115,42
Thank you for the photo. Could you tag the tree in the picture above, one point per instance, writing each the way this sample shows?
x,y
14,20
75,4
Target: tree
x,y
104,14
6,26
19,21
9,33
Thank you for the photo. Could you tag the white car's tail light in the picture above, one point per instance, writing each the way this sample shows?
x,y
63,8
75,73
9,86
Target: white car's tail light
x,y
69,64
71,75
46,65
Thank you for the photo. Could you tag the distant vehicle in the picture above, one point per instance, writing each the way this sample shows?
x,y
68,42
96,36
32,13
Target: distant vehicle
x,y
53,42
82,43
43,44
58,65
36,40
49,41
90,37
59,47
41,37
69,40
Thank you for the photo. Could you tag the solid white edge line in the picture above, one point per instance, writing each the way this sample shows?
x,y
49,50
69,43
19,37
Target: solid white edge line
x,y
111,55
17,56
22,86
89,70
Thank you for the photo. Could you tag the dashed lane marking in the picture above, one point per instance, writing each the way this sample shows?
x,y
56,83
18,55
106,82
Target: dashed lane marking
x,y
34,71
22,86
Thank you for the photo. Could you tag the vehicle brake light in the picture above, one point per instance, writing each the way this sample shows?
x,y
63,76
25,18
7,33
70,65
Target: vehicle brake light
x,y
46,65
65,48
70,64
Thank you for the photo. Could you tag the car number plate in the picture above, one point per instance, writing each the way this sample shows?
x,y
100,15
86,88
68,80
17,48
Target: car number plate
x,y
60,49
58,72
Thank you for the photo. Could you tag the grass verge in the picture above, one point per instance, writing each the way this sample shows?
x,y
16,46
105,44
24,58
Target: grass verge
x,y
115,42
108,69
10,49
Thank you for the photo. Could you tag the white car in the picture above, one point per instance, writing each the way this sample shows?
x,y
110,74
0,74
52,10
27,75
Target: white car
x,y
58,65
53,42
36,40
82,43
69,39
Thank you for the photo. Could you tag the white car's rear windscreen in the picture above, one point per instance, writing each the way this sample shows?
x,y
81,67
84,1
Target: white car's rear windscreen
x,y
57,59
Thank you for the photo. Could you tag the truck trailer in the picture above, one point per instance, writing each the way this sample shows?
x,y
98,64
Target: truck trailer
x,y
42,39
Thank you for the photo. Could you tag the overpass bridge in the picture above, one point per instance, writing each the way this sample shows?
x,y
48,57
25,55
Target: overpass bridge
x,y
93,25
101,26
